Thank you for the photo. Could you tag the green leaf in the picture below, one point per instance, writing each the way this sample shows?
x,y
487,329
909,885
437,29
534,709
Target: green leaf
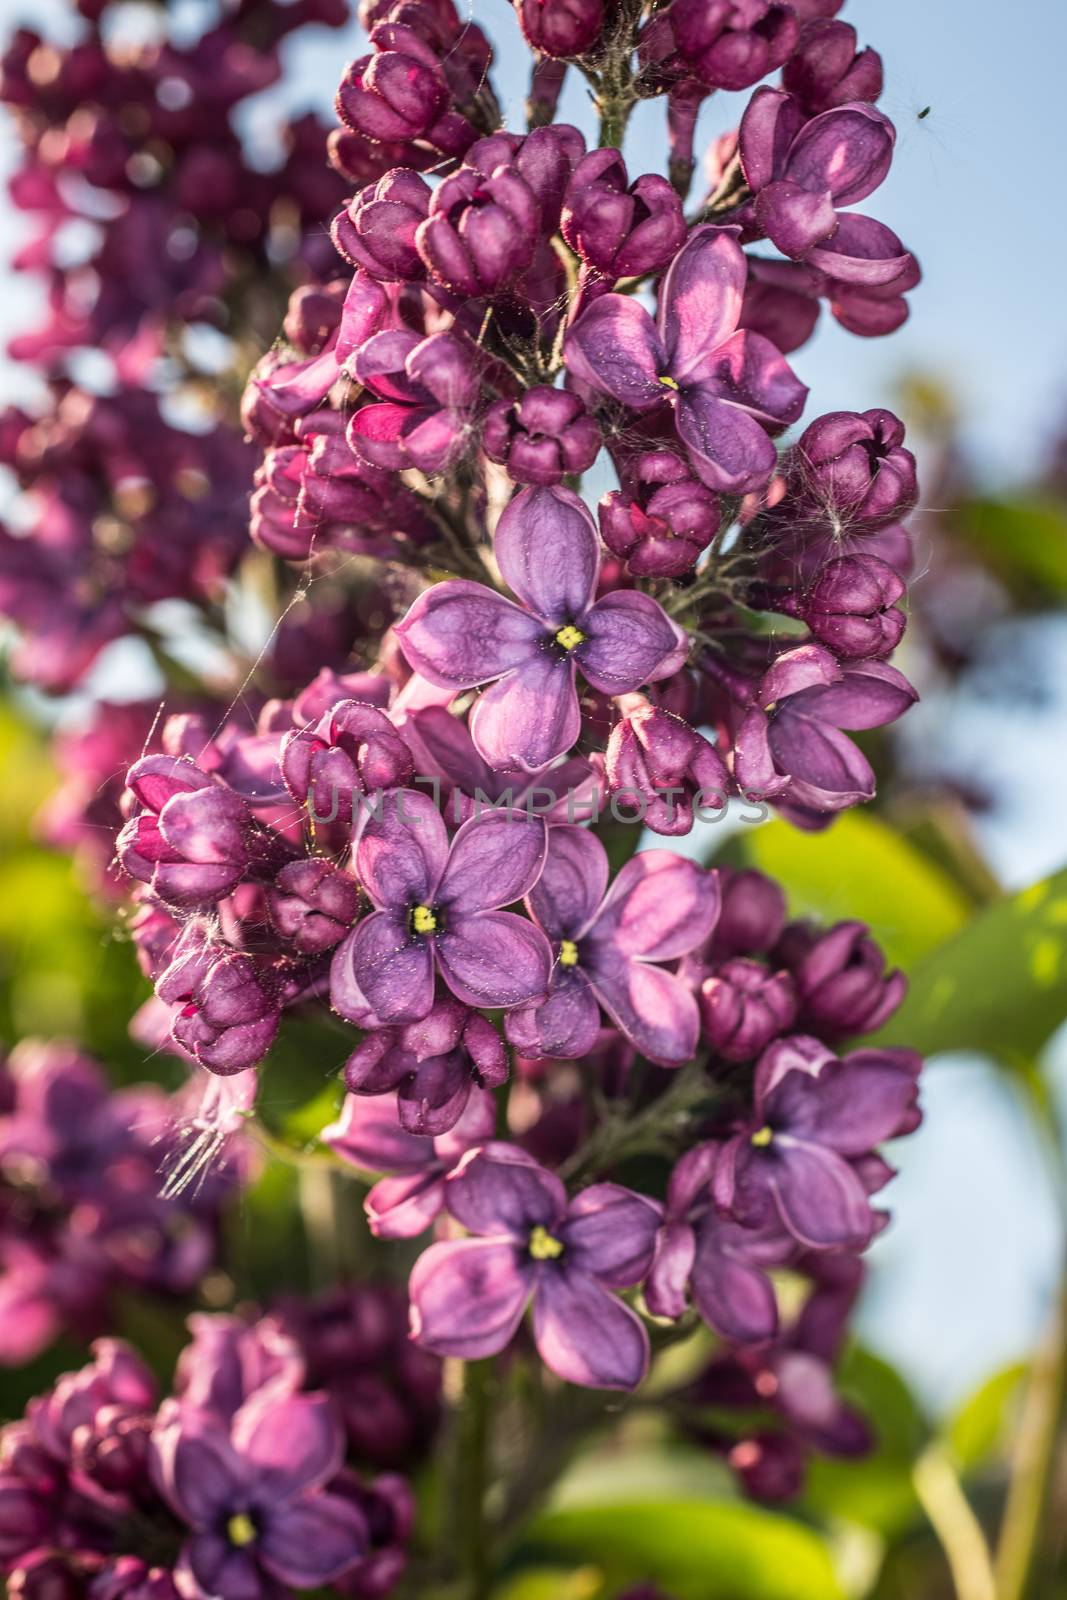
x,y
861,868
999,986
978,1430
553,1583
696,1550
1025,541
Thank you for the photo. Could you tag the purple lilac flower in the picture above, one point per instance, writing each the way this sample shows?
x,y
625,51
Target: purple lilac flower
x,y
438,906
621,229
840,979
807,1154
609,948
729,388
723,1266
723,44
852,468
851,607
468,1296
460,634
744,1006
399,92
828,69
802,173
790,743
254,1495
369,1136
561,28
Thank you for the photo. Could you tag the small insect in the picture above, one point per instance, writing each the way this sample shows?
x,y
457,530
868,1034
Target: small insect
x,y
925,112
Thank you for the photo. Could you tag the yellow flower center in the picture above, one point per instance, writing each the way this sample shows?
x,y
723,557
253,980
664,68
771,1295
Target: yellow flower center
x,y
570,637
542,1245
667,381
423,920
568,953
762,1137
240,1530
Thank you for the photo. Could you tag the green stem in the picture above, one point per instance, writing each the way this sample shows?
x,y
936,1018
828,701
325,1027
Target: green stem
x,y
471,1466
958,1529
624,1133
1045,1403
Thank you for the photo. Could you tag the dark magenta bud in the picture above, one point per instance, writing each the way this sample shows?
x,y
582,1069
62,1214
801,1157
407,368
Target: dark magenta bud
x,y
353,750
841,981
191,841
744,1006
377,229
542,437
854,466
482,232
561,28
851,608
827,69
545,159
731,44
399,92
663,766
752,916
313,904
662,520
433,1064
622,230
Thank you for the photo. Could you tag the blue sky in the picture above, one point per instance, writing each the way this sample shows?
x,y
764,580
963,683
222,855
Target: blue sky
x,y
965,1273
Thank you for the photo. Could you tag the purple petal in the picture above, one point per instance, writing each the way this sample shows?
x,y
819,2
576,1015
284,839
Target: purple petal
x,y
615,348
312,1542
363,311
530,717
432,1097
865,252
468,1296
460,634
868,695
375,433
610,1233
754,766
568,893
729,449
821,757
794,218
654,1009
768,127
404,1207
401,848
381,973
821,1200
585,1335
630,641
549,554
295,1442
809,666
494,958
660,907
753,374
669,1274
733,1296
495,859
700,301
204,1476
500,1191
564,1026
846,151
218,1569
850,1108
368,1135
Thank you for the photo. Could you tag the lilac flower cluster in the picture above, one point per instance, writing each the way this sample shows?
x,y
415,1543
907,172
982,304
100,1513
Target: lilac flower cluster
x,y
81,1212
130,150
242,1481
775,1147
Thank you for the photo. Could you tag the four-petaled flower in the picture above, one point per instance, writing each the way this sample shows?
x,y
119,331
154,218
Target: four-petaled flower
x,y
440,905
730,388
461,634
468,1295
607,946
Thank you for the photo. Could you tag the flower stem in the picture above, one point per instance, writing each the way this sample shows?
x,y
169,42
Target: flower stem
x,y
471,1466
958,1529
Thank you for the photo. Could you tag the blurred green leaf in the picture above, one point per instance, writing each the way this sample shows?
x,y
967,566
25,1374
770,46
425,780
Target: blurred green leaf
x,y
1025,541
861,868
999,986
979,1428
696,1550
553,1583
